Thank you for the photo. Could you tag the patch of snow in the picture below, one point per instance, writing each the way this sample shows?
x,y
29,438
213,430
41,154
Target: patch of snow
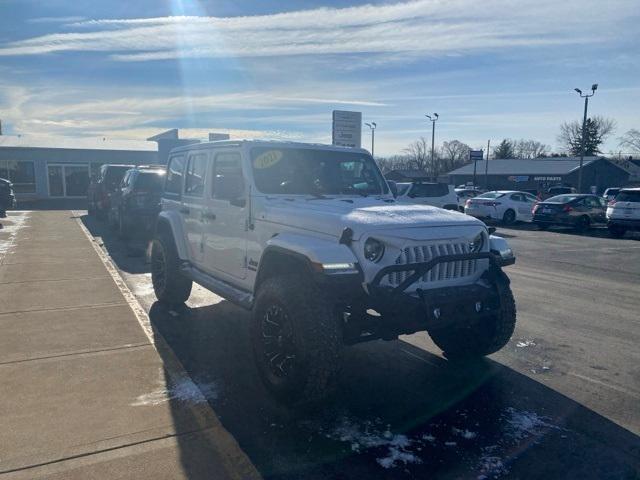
x,y
519,425
466,434
525,343
523,424
451,444
184,389
491,466
10,228
371,435
428,438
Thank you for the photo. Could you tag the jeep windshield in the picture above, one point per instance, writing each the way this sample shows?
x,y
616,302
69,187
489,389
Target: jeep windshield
x,y
302,171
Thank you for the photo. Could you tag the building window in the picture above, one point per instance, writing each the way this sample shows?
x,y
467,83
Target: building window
x,y
20,173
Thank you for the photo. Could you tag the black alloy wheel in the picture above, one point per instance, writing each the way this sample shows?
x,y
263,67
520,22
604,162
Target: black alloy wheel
x,y
278,347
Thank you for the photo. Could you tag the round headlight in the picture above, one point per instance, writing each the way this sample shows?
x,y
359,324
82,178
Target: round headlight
x,y
477,243
373,249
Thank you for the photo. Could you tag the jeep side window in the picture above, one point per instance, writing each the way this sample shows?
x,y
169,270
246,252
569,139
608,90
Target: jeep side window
x,y
227,182
195,175
175,171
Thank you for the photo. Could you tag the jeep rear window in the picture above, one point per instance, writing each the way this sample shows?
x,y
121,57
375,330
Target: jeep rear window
x,y
628,197
150,181
430,190
302,171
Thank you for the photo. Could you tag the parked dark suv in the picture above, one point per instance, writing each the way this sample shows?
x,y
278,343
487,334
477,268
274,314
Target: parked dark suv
x,y
580,211
136,203
101,189
7,198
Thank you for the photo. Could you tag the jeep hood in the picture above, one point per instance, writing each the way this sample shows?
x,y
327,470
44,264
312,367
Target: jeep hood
x,y
332,216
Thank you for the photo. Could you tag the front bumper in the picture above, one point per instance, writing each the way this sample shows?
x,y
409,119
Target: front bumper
x,y
630,223
419,269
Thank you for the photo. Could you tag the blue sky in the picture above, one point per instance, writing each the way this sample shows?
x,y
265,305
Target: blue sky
x,y
491,69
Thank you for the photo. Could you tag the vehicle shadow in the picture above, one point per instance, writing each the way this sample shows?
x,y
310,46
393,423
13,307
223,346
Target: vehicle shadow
x,y
400,412
130,256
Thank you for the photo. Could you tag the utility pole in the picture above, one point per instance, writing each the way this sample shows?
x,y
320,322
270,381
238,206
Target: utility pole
x,y
486,167
586,97
373,127
433,120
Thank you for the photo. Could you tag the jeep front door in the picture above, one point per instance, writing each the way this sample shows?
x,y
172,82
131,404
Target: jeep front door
x,y
225,217
193,205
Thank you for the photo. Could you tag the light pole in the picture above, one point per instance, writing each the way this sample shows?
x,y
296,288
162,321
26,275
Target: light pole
x,y
433,120
373,127
586,96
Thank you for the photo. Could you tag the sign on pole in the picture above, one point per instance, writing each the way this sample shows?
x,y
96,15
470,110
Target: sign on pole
x,y
347,128
474,156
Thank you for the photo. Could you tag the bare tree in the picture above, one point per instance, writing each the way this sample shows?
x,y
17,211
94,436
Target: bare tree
x,y
418,154
597,129
529,149
630,140
453,154
395,162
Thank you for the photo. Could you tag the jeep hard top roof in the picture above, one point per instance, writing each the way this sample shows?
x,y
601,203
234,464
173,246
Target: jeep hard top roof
x,y
265,143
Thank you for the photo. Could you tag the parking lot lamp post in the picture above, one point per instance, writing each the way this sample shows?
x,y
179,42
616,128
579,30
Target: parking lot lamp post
x,y
433,120
586,96
373,127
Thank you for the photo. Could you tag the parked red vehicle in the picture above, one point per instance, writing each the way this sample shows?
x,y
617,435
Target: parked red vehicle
x,y
102,188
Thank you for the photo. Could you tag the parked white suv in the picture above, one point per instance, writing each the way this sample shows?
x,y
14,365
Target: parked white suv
x,y
310,240
435,194
623,212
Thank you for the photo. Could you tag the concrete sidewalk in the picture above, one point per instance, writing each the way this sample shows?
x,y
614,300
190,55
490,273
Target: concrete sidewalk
x,y
86,392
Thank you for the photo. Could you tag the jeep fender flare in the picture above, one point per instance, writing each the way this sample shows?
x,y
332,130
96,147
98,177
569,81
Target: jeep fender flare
x,y
169,222
287,251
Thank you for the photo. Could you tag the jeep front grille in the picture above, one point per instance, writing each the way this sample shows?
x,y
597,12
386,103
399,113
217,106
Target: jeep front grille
x,y
442,271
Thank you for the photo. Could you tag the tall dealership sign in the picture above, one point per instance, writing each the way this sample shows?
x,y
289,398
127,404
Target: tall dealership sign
x,y
347,128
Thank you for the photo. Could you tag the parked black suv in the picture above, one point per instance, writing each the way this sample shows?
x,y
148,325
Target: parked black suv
x,y
101,189
136,203
7,198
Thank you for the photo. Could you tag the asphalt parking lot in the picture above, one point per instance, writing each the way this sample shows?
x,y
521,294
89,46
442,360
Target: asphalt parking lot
x,y
562,400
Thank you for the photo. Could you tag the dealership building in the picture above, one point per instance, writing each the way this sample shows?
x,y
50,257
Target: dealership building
x,y
51,168
598,173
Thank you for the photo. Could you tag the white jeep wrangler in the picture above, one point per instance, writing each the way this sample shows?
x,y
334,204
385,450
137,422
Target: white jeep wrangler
x,y
310,239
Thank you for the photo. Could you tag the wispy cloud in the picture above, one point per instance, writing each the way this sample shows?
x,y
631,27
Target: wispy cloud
x,y
424,27
71,19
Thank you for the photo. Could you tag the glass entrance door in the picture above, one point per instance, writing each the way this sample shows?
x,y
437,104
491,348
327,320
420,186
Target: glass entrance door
x,y
56,181
76,180
68,180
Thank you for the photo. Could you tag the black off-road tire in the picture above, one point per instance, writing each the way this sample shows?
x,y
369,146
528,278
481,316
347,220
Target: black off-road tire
x,y
169,283
509,217
616,231
468,342
315,339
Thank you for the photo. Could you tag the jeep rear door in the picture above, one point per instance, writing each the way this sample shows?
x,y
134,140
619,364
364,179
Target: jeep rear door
x,y
225,217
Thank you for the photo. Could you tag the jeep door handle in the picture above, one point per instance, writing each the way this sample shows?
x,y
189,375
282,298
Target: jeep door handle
x,y
209,216
185,210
